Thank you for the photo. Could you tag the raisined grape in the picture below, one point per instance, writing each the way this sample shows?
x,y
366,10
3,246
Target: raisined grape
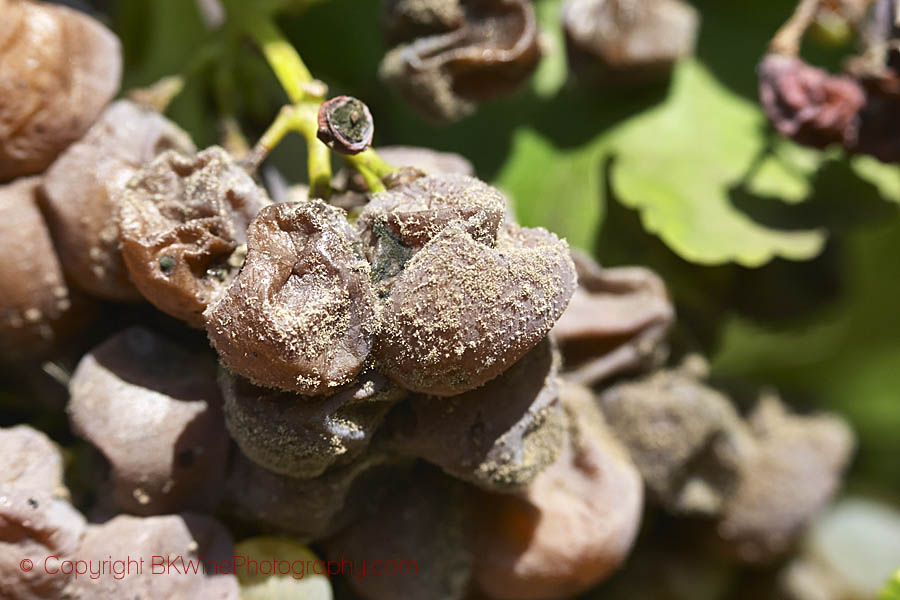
x,y
37,307
793,474
617,321
35,526
489,54
301,315
807,104
301,437
424,520
311,509
687,440
628,40
405,20
30,461
572,526
59,69
396,224
83,187
154,410
183,229
499,436
461,312
186,537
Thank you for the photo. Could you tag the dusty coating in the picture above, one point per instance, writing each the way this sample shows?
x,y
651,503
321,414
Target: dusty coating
x,y
617,320
184,536
396,224
462,312
795,471
628,40
30,461
493,50
34,525
301,437
183,229
301,315
59,69
423,519
574,524
154,411
82,191
37,307
404,20
310,509
685,438
499,436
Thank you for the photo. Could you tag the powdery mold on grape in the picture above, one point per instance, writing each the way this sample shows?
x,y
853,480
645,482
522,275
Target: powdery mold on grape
x,y
302,437
301,316
183,229
462,311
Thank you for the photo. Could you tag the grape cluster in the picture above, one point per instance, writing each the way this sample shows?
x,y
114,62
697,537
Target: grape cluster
x,y
853,109
407,373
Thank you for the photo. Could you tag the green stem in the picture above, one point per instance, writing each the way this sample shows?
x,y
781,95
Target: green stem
x,y
318,154
302,116
282,57
369,160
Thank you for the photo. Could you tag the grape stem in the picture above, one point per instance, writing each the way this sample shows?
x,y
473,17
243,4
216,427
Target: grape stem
x,y
789,37
306,95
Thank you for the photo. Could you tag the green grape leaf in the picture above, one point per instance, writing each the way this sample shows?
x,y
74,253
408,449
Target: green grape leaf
x,y
679,163
883,176
892,590
566,184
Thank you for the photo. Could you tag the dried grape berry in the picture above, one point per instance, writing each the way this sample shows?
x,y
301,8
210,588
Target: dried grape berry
x,y
30,461
187,537
791,476
572,526
301,315
617,321
879,133
395,224
493,50
628,40
37,527
59,69
499,436
37,308
183,229
154,410
807,104
301,437
462,311
83,187
685,438
424,520
404,20
310,509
